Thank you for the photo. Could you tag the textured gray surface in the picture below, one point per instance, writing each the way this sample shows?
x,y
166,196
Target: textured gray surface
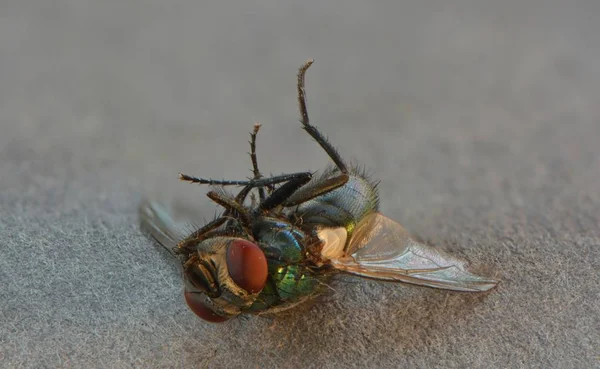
x,y
482,119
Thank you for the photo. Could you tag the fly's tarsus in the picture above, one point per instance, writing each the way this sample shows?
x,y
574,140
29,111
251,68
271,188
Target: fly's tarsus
x,y
302,92
211,182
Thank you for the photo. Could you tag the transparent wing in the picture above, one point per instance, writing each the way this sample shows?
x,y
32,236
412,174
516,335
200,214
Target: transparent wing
x,y
382,249
156,220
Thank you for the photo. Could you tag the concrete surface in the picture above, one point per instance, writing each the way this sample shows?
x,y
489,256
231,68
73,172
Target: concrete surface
x,y
481,118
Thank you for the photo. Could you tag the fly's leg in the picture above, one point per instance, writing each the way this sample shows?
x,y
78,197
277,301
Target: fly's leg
x,y
312,130
281,194
262,182
188,244
249,185
234,207
291,193
257,175
231,205
315,189
241,196
311,191
190,241
211,182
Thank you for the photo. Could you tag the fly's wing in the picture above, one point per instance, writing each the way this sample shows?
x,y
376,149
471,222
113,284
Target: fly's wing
x,y
382,249
156,220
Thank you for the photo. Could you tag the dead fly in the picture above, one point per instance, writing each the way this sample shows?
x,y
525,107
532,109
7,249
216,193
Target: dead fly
x,y
280,249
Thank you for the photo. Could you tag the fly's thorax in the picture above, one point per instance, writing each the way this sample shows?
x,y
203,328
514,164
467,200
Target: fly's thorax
x,y
293,275
280,240
294,281
288,286
223,277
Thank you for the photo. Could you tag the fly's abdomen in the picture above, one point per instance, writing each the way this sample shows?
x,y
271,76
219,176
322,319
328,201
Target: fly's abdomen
x,y
344,206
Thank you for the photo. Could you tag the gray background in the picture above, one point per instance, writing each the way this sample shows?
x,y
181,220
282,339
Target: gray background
x,y
481,119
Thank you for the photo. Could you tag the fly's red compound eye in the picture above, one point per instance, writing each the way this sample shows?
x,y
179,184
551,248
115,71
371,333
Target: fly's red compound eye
x,y
196,303
247,265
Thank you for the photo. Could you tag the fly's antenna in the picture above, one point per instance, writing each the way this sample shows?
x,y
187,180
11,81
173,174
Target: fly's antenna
x,y
312,130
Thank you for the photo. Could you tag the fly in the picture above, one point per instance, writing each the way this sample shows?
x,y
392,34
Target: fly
x,y
280,247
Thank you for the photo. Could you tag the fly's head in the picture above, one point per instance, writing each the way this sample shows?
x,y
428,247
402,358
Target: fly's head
x,y
223,277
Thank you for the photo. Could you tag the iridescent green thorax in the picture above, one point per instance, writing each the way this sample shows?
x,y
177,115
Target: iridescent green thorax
x,y
291,279
288,286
